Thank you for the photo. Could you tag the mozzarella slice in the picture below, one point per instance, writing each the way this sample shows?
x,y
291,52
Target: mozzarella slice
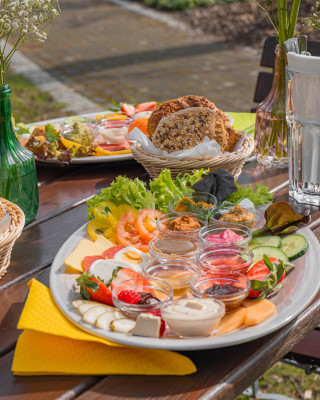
x,y
86,306
104,268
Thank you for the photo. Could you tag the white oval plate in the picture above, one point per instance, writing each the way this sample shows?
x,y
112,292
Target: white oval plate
x,y
300,287
82,160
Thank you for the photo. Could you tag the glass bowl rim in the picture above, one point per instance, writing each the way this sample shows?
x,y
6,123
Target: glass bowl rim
x,y
187,194
196,292
141,307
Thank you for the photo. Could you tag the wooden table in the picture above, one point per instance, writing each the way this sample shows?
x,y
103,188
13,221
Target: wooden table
x,y
222,373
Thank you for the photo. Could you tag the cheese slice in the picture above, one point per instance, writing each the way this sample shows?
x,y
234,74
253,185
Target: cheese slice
x,y
103,242
84,248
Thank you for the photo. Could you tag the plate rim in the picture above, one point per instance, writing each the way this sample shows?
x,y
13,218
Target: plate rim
x,y
193,344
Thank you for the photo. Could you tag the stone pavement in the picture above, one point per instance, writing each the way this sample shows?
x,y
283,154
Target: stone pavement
x,y
104,51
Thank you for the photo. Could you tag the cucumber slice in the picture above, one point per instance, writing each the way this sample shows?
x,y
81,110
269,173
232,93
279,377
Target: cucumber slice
x,y
294,246
269,251
274,241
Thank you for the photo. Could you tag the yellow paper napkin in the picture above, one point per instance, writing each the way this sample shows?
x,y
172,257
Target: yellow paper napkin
x,y
52,345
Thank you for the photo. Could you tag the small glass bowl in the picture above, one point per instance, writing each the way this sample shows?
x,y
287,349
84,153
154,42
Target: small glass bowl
x,y
200,285
227,258
218,227
196,197
177,273
174,247
195,321
164,221
84,139
160,289
114,120
249,223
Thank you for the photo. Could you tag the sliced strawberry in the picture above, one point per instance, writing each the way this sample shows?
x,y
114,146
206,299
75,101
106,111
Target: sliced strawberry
x,y
157,313
92,288
265,276
129,296
127,109
89,260
149,106
112,251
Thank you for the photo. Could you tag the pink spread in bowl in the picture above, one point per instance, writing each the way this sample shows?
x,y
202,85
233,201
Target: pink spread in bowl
x,y
225,237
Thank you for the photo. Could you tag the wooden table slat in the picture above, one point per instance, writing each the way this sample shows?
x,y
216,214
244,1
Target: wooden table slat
x,y
40,387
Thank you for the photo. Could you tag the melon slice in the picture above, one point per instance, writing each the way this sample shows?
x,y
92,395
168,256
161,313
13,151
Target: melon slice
x,y
258,311
232,321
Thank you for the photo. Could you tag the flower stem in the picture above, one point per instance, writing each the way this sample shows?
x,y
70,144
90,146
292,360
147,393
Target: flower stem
x,y
293,17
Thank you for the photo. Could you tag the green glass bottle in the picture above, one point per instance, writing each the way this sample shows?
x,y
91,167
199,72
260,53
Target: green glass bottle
x,y
18,180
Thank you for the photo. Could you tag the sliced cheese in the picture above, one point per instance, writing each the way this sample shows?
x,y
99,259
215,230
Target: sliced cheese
x,y
103,242
232,321
84,248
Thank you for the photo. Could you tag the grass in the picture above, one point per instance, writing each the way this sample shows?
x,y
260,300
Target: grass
x,y
289,381
28,103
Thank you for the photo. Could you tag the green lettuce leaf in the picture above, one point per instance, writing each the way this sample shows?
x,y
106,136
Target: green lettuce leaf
x,y
124,191
165,188
258,195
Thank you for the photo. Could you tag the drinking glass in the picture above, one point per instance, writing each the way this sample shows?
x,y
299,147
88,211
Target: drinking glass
x,y
303,118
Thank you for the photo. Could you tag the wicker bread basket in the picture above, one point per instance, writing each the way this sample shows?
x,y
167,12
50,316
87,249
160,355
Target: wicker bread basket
x,y
10,235
233,162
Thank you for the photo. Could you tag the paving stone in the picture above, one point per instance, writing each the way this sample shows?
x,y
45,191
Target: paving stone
x,y
104,51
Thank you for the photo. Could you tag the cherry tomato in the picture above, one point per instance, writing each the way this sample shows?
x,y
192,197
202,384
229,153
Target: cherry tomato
x,y
146,224
127,234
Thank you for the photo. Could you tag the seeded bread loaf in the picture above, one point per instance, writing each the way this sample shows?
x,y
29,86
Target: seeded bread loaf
x,y
171,106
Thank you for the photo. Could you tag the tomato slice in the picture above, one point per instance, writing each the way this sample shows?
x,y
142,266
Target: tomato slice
x,y
146,224
127,234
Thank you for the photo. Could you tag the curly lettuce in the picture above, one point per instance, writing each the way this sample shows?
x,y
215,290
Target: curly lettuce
x,y
258,195
123,190
165,188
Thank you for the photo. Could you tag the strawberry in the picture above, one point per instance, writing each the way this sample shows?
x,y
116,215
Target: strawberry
x,y
129,296
92,288
265,276
149,106
112,251
127,109
89,260
157,313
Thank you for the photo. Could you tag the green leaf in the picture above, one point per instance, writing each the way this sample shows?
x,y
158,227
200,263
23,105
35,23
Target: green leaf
x,y
258,194
268,263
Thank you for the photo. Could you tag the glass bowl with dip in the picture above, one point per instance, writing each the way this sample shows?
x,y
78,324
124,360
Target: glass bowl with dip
x,y
185,224
178,274
174,247
228,258
192,317
153,293
221,233
200,203
231,288
236,215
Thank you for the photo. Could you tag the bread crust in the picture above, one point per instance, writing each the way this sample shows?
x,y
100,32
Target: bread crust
x,y
171,106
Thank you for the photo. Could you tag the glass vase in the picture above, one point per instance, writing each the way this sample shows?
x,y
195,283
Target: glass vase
x,y
271,129
18,180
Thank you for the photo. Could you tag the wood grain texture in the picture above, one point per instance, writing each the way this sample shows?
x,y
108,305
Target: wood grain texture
x,y
75,186
40,387
37,246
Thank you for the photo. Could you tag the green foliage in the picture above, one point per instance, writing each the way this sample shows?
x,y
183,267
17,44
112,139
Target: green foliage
x,y
178,5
